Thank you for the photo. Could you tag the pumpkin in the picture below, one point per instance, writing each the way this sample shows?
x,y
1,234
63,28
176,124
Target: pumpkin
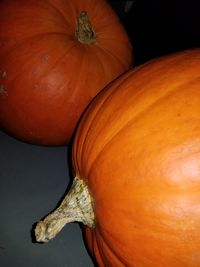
x,y
55,56
136,159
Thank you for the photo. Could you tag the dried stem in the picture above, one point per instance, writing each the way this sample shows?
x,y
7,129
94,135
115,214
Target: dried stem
x,y
85,33
76,207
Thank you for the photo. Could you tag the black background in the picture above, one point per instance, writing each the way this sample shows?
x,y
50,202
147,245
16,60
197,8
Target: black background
x,y
162,27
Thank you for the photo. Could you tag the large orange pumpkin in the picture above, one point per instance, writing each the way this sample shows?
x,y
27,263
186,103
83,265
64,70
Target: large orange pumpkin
x,y
136,159
55,56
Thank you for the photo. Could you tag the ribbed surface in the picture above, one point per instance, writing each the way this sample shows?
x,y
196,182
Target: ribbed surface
x,y
138,148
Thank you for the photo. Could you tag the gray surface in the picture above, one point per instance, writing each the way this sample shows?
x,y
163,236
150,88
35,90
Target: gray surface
x,y
33,180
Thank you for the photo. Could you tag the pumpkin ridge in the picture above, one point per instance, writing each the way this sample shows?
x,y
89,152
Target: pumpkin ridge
x,y
61,57
109,249
123,64
50,4
125,77
108,95
80,71
127,123
45,73
31,38
35,36
81,148
97,110
96,249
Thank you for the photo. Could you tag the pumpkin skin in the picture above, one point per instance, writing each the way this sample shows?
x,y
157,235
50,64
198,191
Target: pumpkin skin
x,y
137,148
47,76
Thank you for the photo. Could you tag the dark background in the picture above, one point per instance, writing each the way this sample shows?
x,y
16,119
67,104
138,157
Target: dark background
x,y
34,178
160,27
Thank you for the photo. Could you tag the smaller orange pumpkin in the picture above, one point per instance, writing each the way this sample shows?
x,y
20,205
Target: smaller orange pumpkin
x,y
55,56
136,158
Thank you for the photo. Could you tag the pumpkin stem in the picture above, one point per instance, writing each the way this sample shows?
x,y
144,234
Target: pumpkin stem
x,y
84,32
75,207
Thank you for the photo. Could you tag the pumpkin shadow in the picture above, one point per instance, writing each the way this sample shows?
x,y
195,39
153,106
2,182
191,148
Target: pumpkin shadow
x,y
32,232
